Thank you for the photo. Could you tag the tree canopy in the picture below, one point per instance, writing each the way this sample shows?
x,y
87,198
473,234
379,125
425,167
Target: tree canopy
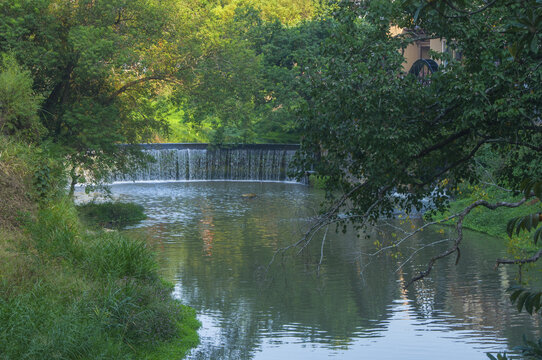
x,y
117,72
389,141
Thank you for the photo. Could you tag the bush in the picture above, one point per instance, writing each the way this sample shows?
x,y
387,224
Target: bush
x,y
140,312
18,103
28,175
112,254
111,214
68,293
318,181
57,230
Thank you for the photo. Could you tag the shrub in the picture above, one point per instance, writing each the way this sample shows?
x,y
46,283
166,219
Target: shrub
x,y
18,103
70,293
318,181
113,254
111,214
56,231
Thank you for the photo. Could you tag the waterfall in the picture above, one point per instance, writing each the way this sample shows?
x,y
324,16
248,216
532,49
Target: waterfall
x,y
197,162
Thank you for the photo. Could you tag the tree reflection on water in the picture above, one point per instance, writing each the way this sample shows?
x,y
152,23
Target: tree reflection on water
x,y
217,246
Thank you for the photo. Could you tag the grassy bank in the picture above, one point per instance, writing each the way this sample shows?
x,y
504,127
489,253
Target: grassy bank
x,y
70,293
492,222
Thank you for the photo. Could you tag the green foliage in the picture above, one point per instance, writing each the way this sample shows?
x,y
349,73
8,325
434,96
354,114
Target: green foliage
x,y
102,68
49,175
18,102
70,293
57,231
492,222
245,84
96,64
28,174
531,349
317,181
527,223
79,294
381,135
116,255
111,214
530,300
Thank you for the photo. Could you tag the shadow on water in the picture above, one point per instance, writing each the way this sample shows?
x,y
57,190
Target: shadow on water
x,y
215,244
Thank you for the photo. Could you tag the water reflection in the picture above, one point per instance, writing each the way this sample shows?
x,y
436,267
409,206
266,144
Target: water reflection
x,y
216,245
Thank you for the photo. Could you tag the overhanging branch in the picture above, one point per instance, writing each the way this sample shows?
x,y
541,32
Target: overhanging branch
x,y
459,228
532,259
133,83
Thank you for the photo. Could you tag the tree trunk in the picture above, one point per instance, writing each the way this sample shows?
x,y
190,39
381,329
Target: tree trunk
x,y
74,178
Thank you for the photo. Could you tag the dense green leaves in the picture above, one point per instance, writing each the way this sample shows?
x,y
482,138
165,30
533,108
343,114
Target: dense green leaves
x,y
119,71
390,141
18,102
529,222
244,86
97,65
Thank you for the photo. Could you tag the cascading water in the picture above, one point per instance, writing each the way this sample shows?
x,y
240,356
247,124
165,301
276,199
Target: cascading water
x,y
196,162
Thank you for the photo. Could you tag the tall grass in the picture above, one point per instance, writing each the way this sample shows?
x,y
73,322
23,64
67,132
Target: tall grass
x,y
86,295
67,292
112,254
70,293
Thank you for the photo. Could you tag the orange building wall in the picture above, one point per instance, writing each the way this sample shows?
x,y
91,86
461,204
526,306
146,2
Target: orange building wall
x,y
417,50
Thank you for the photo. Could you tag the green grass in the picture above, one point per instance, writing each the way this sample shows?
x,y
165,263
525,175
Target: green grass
x,y
492,222
113,215
67,292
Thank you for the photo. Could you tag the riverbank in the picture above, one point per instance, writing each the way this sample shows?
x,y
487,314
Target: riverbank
x,y
69,292
492,222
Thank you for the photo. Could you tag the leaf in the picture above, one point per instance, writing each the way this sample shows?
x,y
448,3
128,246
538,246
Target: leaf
x,y
510,226
536,301
515,295
417,13
529,303
521,301
527,223
537,234
531,186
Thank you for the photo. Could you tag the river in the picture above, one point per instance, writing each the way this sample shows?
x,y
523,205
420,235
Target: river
x,y
215,245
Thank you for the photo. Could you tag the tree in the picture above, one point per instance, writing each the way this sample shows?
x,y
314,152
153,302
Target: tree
x,y
98,66
388,141
244,84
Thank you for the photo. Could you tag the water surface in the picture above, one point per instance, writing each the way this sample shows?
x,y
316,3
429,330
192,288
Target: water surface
x,y
215,245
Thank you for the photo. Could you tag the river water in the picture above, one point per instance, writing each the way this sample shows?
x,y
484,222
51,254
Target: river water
x,y
215,245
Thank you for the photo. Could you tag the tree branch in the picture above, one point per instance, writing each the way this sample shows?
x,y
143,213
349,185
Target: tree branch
x,y
443,143
459,227
463,13
532,259
453,165
518,143
134,83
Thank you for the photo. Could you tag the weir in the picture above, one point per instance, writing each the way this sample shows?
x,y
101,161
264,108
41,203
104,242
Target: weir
x,y
256,162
